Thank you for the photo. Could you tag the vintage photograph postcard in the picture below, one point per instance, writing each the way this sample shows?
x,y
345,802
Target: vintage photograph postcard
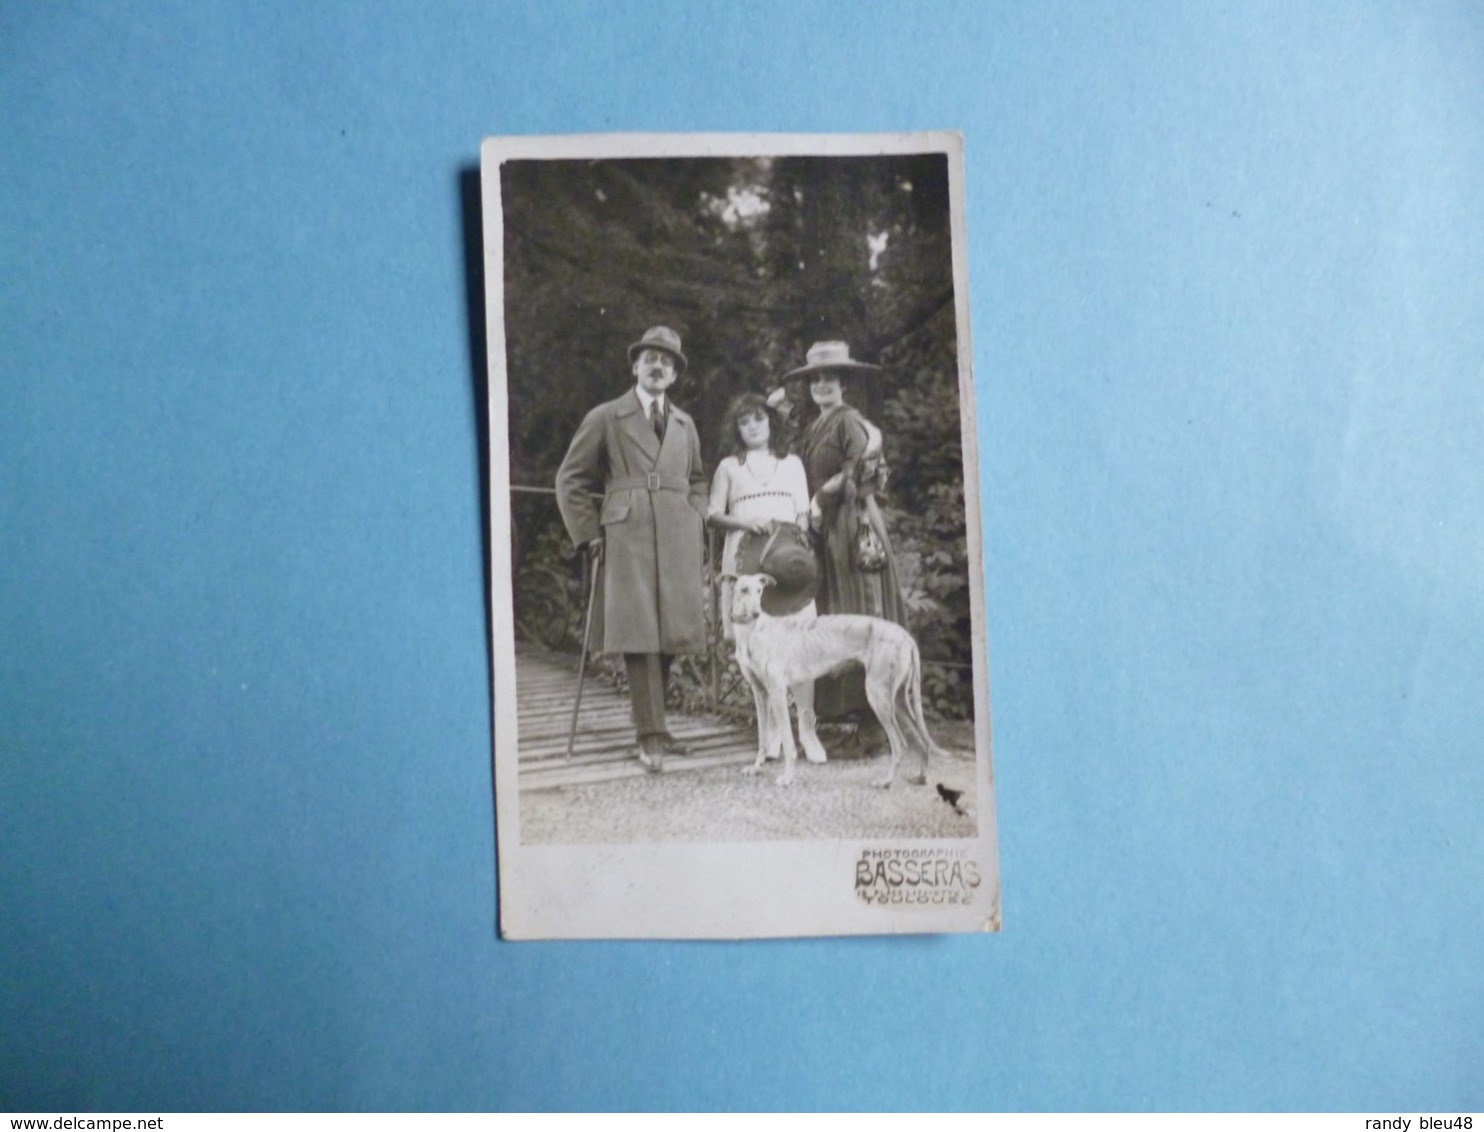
x,y
737,601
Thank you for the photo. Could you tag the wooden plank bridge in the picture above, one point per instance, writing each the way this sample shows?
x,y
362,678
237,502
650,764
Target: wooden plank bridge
x,y
546,686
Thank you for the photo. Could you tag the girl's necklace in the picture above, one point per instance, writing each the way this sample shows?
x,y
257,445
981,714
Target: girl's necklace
x,y
756,461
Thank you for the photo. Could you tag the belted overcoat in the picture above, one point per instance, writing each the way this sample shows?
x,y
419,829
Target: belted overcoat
x,y
651,519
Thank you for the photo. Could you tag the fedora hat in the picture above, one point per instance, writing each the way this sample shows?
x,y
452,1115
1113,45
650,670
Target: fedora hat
x,y
784,555
830,356
659,338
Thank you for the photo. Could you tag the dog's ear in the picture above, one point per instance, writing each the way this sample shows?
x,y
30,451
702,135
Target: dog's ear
x,y
726,577
768,580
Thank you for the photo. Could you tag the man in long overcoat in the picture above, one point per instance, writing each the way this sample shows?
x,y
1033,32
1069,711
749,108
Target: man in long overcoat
x,y
644,454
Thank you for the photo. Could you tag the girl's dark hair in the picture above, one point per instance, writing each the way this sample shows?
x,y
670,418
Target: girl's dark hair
x,y
744,406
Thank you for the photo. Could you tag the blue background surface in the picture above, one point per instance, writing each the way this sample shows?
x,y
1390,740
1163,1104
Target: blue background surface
x,y
1226,299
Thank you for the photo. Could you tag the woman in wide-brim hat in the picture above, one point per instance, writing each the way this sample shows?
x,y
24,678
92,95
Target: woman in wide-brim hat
x,y
837,453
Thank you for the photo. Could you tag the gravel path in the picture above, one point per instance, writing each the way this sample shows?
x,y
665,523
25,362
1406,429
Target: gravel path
x,y
833,800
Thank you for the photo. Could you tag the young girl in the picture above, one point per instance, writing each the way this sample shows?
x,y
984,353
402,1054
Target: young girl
x,y
756,486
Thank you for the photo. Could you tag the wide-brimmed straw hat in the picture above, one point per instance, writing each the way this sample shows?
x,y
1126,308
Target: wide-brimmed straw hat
x,y
789,561
659,338
831,356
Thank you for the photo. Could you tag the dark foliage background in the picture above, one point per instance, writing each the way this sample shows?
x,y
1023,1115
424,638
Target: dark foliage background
x,y
751,260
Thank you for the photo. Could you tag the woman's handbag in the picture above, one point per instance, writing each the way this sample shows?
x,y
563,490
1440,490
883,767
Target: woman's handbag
x,y
869,552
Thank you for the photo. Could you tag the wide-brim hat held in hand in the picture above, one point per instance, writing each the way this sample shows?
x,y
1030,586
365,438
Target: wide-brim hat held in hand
x,y
825,356
785,555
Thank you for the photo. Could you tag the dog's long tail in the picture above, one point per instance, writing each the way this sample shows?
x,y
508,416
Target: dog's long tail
x,y
914,713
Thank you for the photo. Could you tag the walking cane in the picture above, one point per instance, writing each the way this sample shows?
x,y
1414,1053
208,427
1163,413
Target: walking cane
x,y
593,568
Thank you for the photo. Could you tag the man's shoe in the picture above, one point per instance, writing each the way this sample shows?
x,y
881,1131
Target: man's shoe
x,y
652,754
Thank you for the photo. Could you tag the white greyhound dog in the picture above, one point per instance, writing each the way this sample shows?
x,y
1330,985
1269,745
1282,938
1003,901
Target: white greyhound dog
x,y
778,653
769,745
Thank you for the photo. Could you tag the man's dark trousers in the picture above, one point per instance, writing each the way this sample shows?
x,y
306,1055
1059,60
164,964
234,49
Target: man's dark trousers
x,y
649,673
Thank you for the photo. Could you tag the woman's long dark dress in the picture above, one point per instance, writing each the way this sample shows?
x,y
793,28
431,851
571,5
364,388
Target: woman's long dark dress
x,y
835,443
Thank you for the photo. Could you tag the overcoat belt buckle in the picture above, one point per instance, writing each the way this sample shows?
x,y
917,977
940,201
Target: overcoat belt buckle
x,y
652,481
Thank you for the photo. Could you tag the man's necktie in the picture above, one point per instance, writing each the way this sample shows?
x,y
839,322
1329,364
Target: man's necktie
x,y
657,418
